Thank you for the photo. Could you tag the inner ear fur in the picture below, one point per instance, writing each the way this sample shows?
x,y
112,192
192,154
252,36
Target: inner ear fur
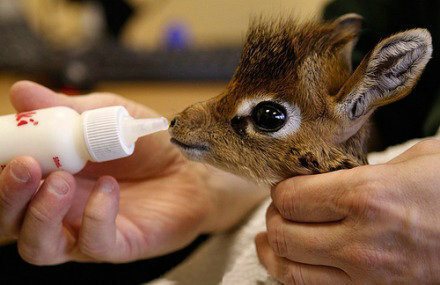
x,y
386,74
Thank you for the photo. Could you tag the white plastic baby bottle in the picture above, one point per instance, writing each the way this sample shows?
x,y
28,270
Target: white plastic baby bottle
x,y
61,139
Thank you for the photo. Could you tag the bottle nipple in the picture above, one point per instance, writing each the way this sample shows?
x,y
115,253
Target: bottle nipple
x,y
132,129
110,132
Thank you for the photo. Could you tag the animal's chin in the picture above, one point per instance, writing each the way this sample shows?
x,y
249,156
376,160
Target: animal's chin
x,y
192,151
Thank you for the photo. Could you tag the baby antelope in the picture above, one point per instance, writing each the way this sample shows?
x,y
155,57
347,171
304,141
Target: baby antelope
x,y
294,106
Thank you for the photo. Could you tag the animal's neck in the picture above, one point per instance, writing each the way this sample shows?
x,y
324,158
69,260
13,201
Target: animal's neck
x,y
356,146
349,154
327,158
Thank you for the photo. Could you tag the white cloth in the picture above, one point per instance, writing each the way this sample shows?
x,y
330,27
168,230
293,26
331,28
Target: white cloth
x,y
230,258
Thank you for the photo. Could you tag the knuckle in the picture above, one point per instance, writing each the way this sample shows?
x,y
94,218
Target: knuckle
x,y
355,256
284,204
277,240
360,256
94,249
88,245
6,202
287,200
294,275
94,217
270,212
320,246
284,186
366,203
9,223
39,215
367,197
31,255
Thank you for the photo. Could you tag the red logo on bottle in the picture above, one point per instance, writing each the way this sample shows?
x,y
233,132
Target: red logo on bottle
x,y
22,118
57,161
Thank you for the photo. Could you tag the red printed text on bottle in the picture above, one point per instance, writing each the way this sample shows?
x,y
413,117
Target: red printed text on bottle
x,y
25,118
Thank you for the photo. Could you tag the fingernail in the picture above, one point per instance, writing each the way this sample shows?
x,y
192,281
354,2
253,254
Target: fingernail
x,y
106,186
58,186
19,172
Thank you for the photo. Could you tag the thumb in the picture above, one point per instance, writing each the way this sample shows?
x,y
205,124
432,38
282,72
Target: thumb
x,y
27,95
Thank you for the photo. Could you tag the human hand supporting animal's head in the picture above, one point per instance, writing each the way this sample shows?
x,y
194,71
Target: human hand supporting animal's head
x,y
294,106
369,225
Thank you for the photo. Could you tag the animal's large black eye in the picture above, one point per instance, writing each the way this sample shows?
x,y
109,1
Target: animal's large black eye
x,y
269,116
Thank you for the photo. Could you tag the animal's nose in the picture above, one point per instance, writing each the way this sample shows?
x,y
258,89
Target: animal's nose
x,y
173,122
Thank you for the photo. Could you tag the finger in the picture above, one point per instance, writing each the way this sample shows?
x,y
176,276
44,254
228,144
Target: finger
x,y
313,198
18,182
27,95
43,240
98,236
425,147
301,242
289,272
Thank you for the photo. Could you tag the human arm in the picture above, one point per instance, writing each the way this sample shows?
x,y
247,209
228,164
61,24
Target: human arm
x,y
149,204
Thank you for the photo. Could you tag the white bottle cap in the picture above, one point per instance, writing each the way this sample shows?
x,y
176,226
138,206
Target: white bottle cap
x,y
110,132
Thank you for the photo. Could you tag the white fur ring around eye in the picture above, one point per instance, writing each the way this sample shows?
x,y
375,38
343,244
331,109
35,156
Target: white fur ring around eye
x,y
293,122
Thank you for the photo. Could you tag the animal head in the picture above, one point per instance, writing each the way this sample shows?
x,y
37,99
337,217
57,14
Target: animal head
x,y
294,106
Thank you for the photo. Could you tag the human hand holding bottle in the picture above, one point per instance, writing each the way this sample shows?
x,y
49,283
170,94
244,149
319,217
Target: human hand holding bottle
x,y
161,203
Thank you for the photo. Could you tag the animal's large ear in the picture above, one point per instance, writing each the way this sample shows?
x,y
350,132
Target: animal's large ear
x,y
386,74
347,29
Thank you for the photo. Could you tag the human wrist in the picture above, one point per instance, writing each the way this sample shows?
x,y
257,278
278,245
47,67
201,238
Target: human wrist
x,y
230,198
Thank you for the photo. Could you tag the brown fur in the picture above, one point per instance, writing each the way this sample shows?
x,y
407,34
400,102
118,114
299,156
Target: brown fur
x,y
303,64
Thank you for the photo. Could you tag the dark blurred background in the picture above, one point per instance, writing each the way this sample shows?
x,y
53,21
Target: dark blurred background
x,y
417,115
161,51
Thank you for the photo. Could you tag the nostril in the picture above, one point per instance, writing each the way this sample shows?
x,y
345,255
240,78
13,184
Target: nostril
x,y
173,122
